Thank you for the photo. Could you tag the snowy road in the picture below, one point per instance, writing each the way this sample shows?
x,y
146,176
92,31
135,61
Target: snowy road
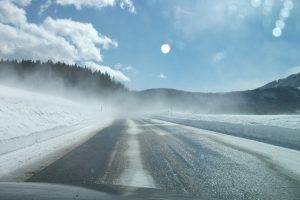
x,y
176,158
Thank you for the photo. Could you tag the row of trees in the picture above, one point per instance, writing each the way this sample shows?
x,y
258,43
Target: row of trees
x,y
70,76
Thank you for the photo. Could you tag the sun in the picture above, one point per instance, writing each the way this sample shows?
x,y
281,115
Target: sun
x,y
165,48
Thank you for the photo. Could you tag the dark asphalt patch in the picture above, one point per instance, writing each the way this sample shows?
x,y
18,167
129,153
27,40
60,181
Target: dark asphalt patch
x,y
86,163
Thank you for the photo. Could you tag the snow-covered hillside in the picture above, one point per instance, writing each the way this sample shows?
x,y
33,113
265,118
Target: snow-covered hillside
x,y
23,113
32,117
34,125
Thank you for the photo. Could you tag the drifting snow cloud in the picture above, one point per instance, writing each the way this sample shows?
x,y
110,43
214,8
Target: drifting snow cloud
x,y
98,4
115,74
62,40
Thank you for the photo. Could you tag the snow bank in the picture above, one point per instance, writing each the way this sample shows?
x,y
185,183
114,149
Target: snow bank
x,y
19,165
285,121
280,130
37,129
27,118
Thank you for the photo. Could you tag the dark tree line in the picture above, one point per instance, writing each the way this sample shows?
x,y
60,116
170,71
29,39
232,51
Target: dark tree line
x,y
73,77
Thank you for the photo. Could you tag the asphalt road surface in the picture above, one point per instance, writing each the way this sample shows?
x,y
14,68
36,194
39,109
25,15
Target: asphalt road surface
x,y
173,158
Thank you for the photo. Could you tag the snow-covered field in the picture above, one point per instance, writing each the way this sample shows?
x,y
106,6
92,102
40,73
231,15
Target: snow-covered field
x,y
31,123
281,130
23,113
286,121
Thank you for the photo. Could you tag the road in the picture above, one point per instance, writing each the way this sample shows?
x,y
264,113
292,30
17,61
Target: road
x,y
176,158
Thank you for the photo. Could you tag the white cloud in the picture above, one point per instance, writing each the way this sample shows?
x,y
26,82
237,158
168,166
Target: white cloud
x,y
22,2
219,56
56,39
213,14
161,76
115,74
119,66
79,4
62,40
98,4
12,14
82,36
128,68
128,4
293,70
44,7
16,43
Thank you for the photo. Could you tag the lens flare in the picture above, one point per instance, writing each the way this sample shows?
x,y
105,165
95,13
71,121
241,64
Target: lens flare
x,y
277,32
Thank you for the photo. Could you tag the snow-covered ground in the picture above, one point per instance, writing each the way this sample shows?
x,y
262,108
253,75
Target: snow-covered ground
x,y
34,125
286,121
281,130
19,165
23,113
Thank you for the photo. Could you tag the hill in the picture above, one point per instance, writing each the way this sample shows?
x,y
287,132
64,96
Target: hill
x,y
259,101
290,81
56,77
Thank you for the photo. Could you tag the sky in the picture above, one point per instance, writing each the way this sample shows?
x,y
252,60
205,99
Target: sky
x,y
215,45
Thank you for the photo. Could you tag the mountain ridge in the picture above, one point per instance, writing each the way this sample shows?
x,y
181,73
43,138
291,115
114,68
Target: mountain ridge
x,y
268,99
290,81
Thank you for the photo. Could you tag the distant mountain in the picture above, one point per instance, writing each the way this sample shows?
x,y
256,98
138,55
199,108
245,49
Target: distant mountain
x,y
277,100
290,81
277,97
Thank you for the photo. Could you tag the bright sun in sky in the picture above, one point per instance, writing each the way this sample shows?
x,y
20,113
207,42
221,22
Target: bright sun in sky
x,y
165,48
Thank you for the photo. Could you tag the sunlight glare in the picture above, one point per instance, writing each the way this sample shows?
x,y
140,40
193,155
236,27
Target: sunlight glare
x,y
165,48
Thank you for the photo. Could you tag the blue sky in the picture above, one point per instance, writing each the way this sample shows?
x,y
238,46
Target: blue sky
x,y
216,45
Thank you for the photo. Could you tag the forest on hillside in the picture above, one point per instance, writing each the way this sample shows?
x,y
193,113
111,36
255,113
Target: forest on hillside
x,y
45,75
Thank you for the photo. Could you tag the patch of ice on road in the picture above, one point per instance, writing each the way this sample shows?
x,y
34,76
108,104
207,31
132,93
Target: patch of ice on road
x,y
286,160
255,128
135,175
161,132
160,122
